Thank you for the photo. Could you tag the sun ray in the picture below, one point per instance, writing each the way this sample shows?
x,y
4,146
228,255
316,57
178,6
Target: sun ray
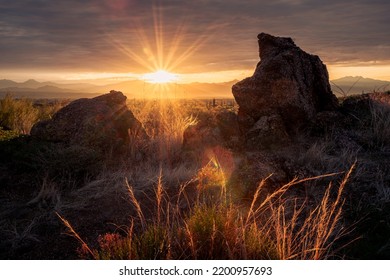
x,y
134,56
195,46
177,39
157,53
159,35
188,52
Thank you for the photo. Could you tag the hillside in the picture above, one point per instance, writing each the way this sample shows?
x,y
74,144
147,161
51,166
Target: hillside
x,y
357,85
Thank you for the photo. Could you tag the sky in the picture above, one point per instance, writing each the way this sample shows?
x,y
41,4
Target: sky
x,y
203,40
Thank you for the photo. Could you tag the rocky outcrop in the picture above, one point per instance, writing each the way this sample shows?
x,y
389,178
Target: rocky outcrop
x,y
222,130
267,131
103,122
288,88
200,136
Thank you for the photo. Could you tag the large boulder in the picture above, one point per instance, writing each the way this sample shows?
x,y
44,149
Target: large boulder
x,y
102,122
289,87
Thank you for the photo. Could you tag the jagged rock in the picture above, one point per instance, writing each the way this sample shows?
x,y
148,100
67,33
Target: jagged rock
x,y
268,130
222,130
200,136
287,82
104,122
227,123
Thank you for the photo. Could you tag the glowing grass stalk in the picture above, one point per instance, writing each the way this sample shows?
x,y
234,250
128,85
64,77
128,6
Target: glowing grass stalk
x,y
318,231
136,204
159,195
75,235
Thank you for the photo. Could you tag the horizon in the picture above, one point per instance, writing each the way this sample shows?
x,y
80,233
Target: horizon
x,y
32,88
115,80
110,41
206,77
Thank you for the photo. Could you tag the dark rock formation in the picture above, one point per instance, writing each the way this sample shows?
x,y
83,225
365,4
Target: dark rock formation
x,y
227,123
289,87
103,122
201,136
222,130
268,130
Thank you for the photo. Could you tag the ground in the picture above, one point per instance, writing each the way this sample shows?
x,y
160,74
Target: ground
x,y
160,200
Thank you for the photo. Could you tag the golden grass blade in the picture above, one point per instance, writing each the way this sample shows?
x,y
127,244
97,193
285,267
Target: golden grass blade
x,y
74,234
136,204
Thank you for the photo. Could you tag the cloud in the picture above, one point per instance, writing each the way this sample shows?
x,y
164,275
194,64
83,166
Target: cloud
x,y
217,35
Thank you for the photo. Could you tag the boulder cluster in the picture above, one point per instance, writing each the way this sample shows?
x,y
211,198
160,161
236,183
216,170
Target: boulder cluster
x,y
288,91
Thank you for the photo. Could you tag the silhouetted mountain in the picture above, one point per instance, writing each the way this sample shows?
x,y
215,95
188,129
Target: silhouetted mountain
x,y
132,88
140,89
34,89
51,89
357,85
81,87
8,83
31,84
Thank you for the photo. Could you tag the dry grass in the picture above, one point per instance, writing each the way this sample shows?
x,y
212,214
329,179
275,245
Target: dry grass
x,y
47,195
166,206
73,233
274,226
199,219
20,115
380,124
313,237
164,121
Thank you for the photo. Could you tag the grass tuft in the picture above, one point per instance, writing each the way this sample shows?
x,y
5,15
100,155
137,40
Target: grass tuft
x,y
275,226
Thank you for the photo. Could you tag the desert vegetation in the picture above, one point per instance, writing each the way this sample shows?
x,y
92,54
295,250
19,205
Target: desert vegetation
x,y
17,116
321,197
214,228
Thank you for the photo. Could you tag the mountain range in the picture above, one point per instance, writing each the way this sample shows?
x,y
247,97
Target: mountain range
x,y
356,85
132,88
140,89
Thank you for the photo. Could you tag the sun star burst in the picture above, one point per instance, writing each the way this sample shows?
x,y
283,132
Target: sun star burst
x,y
160,77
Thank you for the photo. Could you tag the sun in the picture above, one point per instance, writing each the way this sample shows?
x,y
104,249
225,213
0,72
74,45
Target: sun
x,y
160,77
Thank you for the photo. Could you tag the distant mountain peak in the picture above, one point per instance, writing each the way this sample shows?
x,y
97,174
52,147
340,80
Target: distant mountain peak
x,y
357,84
31,83
353,77
358,78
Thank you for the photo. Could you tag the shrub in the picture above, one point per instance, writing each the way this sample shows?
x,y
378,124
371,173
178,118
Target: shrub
x,y
165,122
17,114
20,115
